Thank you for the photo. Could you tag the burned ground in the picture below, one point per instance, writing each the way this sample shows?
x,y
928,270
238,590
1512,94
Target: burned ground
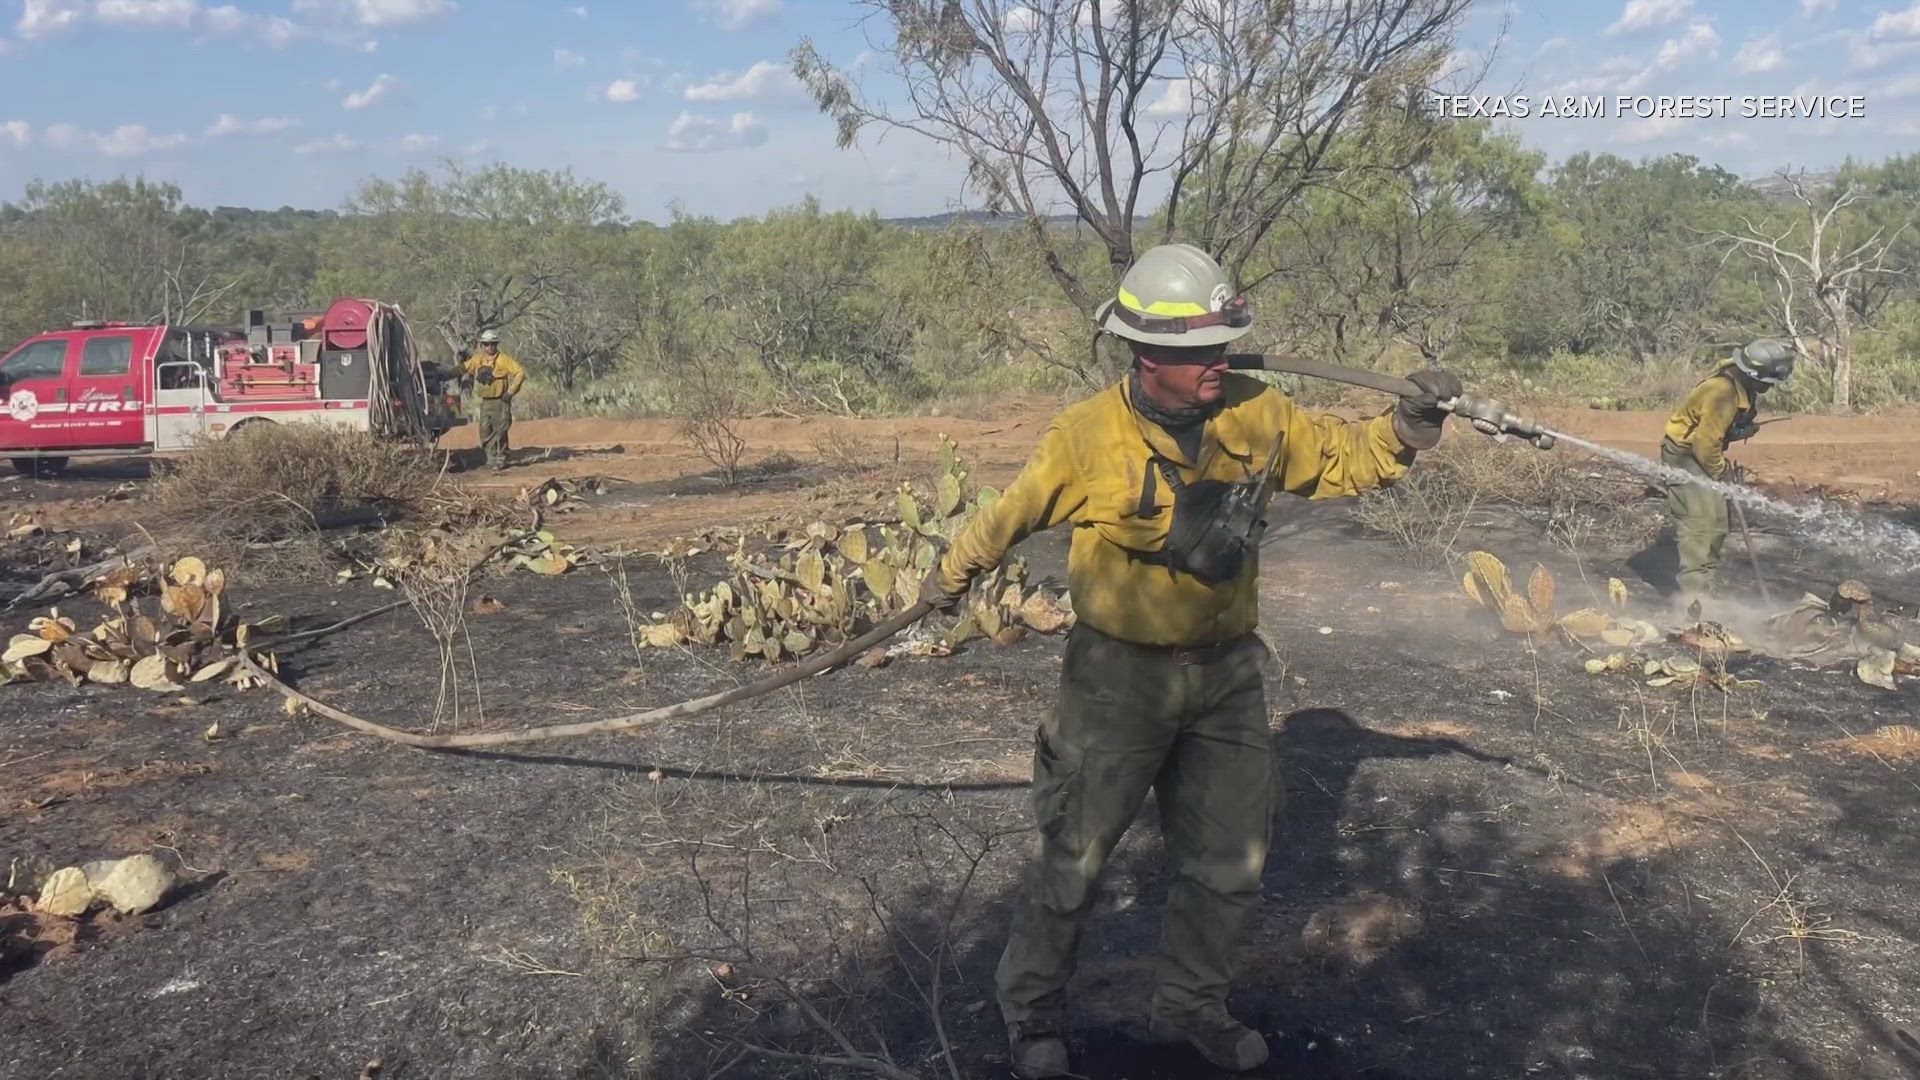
x,y
1490,864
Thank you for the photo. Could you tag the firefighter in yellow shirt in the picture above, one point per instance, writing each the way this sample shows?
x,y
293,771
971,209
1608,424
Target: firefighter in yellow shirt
x,y
1162,684
1717,413
496,378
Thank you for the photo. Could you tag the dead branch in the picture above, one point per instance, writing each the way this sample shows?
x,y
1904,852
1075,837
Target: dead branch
x,y
758,687
64,582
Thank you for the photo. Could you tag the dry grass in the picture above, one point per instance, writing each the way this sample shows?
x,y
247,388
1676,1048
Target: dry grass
x,y
273,489
1576,507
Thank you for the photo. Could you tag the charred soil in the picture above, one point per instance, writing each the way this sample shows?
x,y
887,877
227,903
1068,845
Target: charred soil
x,y
1490,863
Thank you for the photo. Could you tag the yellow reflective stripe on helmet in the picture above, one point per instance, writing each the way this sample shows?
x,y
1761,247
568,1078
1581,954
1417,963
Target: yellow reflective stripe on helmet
x,y
1166,308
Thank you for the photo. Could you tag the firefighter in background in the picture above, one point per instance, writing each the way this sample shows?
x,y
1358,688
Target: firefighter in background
x,y
1718,413
1162,685
496,378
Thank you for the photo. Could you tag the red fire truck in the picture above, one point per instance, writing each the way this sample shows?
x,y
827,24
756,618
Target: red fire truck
x,y
100,389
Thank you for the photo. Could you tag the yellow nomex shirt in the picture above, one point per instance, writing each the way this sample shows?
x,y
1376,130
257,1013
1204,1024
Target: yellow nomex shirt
x,y
508,375
1702,421
1092,468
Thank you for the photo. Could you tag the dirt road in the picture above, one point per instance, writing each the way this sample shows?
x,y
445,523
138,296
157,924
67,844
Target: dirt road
x,y
1871,457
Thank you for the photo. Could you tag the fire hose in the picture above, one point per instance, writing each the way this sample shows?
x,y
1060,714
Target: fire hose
x,y
1485,414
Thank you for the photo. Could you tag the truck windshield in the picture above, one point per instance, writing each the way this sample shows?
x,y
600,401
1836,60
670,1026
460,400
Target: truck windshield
x,y
37,360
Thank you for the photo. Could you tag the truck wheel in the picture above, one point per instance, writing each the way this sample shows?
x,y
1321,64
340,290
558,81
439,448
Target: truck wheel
x,y
42,466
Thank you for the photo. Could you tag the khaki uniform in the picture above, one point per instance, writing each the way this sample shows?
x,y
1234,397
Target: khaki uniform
x,y
1161,686
1696,441
494,405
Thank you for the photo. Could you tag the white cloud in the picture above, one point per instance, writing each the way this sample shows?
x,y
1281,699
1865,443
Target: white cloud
x,y
419,142
146,13
41,18
229,21
1654,127
478,148
698,135
1898,25
1906,86
18,132
898,176
567,60
1177,101
134,140
1650,14
623,90
1865,54
579,10
1904,127
737,14
229,124
374,14
1699,38
1811,8
761,81
127,140
383,89
1760,55
1551,44
1020,20
45,18
333,144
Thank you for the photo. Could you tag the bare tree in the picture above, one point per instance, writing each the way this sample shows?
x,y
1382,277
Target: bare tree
x,y
1818,268
580,331
1219,113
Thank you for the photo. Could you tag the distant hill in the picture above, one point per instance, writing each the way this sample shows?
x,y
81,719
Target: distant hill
x,y
985,219
1777,189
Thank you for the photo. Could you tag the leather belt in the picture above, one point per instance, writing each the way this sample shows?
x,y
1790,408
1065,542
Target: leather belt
x,y
1184,655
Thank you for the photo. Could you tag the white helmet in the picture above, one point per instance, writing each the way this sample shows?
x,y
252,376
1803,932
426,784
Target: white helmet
x,y
490,337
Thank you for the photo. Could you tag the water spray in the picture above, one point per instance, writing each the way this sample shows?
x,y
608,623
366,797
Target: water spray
x,y
1820,521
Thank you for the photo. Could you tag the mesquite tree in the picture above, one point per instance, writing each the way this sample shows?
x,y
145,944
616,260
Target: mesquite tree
x,y
1214,115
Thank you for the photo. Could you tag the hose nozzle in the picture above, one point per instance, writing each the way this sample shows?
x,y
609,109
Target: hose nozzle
x,y
1494,418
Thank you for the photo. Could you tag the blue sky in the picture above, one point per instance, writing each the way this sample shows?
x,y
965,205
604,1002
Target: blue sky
x,y
292,102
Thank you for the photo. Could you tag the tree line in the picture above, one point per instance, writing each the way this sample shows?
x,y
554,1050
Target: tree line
x,y
1364,228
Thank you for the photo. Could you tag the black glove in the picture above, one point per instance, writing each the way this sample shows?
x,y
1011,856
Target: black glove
x,y
484,376
1734,474
1745,429
1417,420
932,592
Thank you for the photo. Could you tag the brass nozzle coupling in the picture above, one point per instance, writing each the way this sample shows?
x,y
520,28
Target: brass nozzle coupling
x,y
1494,418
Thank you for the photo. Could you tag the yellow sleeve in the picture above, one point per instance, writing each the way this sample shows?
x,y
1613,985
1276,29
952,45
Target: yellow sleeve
x,y
1047,492
516,375
1328,457
1713,405
467,367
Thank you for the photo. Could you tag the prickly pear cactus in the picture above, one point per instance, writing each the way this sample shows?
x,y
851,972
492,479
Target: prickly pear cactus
x,y
828,583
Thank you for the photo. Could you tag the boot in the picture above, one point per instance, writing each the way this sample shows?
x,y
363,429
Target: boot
x,y
1037,1050
1225,1042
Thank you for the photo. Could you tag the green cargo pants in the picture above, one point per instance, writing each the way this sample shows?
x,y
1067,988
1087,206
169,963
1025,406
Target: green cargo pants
x,y
496,419
1699,523
1130,718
